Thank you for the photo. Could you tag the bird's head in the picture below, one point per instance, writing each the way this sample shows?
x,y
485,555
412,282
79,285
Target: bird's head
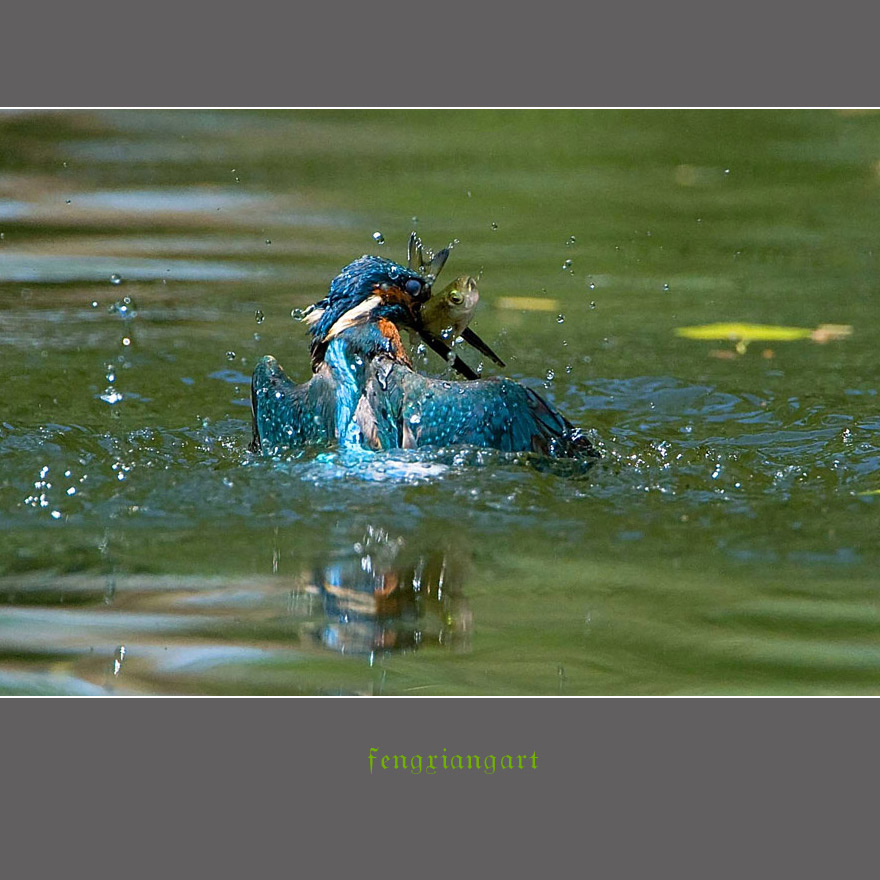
x,y
364,292
380,292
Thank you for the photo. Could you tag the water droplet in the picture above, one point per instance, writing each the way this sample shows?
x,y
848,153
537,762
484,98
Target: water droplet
x,y
297,314
123,307
591,286
228,483
592,305
94,304
560,319
111,395
259,316
415,419
67,201
568,368
571,241
494,225
727,171
230,355
566,266
378,238
71,490
56,514
468,193
665,288
268,241
115,279
414,219
126,341
551,375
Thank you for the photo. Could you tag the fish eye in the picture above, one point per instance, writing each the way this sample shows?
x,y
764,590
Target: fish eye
x,y
413,287
456,298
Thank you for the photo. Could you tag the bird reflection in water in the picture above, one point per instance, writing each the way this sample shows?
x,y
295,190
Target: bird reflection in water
x,y
382,595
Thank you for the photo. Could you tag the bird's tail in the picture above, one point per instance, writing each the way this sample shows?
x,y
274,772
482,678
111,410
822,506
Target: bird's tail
x,y
557,437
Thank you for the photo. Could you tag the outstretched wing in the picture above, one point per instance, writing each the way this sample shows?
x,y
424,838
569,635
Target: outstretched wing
x,y
286,414
496,413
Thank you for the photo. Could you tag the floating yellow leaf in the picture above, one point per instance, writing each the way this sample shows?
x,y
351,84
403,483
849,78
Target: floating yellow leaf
x,y
748,332
743,334
528,303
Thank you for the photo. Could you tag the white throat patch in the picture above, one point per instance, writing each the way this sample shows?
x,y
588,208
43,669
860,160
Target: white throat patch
x,y
352,317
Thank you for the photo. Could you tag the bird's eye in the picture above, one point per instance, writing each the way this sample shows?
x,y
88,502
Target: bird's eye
x,y
413,287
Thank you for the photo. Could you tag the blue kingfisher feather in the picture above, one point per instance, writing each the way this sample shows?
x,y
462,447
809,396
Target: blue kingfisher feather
x,y
365,393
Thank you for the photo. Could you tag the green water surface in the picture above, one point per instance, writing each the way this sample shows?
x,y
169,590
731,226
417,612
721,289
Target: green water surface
x,y
726,544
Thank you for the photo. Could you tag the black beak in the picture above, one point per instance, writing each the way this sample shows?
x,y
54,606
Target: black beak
x,y
442,348
471,338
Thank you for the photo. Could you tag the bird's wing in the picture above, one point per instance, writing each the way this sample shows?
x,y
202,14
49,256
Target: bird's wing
x,y
497,413
286,414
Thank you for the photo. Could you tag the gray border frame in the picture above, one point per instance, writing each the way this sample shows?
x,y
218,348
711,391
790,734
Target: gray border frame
x,y
630,787
623,787
681,53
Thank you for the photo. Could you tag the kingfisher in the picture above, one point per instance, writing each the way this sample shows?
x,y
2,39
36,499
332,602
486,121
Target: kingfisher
x,y
364,391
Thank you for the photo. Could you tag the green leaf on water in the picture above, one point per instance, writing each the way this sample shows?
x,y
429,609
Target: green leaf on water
x,y
743,334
